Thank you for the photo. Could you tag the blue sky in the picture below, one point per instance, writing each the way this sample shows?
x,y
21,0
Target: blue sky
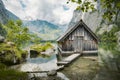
x,y
55,11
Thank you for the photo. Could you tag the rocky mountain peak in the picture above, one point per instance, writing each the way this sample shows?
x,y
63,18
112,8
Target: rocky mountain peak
x,y
6,15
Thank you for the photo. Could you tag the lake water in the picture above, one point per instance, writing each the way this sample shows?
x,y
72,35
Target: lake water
x,y
109,55
40,64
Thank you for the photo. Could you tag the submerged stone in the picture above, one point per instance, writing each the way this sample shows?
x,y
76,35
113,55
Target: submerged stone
x,y
52,73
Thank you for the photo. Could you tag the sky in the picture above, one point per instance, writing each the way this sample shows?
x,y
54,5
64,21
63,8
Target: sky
x,y
55,11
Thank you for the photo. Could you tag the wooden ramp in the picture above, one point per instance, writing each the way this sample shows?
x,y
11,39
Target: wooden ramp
x,y
69,59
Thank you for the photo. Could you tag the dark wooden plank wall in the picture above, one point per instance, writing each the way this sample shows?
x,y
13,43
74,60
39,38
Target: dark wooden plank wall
x,y
89,43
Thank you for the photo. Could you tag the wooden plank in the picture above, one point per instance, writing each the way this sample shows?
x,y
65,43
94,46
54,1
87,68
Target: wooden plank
x,y
67,52
84,51
71,58
62,63
60,67
68,60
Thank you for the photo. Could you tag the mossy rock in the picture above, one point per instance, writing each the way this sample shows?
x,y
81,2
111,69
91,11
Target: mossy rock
x,y
11,54
41,48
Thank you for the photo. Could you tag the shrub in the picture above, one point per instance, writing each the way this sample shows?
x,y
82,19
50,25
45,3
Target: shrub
x,y
8,53
41,48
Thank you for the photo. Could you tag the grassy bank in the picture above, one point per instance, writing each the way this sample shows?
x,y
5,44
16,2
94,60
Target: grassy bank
x,y
10,74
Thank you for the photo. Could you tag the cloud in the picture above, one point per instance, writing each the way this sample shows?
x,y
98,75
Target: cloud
x,y
55,11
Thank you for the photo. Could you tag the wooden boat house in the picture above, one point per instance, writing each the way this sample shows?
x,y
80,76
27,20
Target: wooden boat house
x,y
78,39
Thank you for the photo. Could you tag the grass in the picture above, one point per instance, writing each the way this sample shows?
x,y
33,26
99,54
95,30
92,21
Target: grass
x,y
11,74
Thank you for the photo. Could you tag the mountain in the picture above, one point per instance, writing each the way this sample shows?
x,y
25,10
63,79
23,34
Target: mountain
x,y
6,15
12,16
44,29
93,19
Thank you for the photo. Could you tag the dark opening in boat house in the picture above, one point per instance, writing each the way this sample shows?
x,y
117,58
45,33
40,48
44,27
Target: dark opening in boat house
x,y
78,38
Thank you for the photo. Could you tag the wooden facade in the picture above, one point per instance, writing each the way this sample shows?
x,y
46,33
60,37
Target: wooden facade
x,y
78,38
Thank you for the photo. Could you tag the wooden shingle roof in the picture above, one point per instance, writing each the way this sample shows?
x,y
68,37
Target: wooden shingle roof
x,y
71,29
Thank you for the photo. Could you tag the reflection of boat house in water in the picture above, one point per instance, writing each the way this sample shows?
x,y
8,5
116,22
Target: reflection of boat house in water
x,y
78,39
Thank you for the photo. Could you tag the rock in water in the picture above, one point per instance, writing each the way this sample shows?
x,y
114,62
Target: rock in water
x,y
33,53
52,73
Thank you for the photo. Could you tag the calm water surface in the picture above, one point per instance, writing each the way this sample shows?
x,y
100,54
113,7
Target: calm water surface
x,y
42,64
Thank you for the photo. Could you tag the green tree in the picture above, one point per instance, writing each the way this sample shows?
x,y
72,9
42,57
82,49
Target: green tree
x,y
35,39
17,33
109,36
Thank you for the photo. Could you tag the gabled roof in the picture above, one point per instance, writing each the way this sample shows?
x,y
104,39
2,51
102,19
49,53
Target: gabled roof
x,y
71,29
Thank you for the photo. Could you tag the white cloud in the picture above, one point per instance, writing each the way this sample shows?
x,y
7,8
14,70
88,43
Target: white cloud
x,y
56,11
